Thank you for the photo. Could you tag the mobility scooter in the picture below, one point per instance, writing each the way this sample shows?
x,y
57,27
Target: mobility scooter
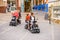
x,y
15,21
34,28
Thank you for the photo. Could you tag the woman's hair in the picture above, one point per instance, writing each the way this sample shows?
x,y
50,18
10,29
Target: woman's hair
x,y
32,13
27,14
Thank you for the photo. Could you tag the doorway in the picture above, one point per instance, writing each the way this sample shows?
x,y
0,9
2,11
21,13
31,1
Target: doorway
x,y
11,5
27,5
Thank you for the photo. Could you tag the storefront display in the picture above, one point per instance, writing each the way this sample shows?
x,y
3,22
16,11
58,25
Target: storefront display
x,y
56,14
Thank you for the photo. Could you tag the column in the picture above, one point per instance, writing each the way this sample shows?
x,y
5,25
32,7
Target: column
x,y
34,2
17,4
42,1
38,2
46,1
22,5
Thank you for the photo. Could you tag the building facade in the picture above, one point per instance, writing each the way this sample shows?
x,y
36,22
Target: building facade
x,y
4,4
24,5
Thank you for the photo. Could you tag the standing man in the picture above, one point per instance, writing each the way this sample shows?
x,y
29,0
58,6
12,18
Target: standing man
x,y
8,7
49,15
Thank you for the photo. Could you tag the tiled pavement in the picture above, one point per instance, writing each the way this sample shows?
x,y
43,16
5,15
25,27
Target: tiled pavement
x,y
48,31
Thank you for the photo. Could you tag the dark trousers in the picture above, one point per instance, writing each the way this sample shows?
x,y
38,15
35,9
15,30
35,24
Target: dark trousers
x,y
18,21
49,21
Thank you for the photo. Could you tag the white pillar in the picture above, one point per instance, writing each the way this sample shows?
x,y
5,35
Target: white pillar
x,y
22,5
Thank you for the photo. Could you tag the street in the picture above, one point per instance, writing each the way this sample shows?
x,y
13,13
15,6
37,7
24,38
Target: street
x,y
47,31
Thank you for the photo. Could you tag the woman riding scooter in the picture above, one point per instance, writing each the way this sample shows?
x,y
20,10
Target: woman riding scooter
x,y
32,26
17,14
19,17
32,18
27,20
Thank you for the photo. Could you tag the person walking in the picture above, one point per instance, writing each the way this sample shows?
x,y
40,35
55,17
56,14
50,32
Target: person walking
x,y
49,15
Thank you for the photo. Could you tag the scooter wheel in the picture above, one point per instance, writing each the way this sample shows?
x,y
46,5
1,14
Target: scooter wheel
x,y
26,26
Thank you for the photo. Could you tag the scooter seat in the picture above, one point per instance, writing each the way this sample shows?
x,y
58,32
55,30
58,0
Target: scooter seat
x,y
34,21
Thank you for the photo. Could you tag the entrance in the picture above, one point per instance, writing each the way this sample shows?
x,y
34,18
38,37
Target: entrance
x,y
27,5
11,5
